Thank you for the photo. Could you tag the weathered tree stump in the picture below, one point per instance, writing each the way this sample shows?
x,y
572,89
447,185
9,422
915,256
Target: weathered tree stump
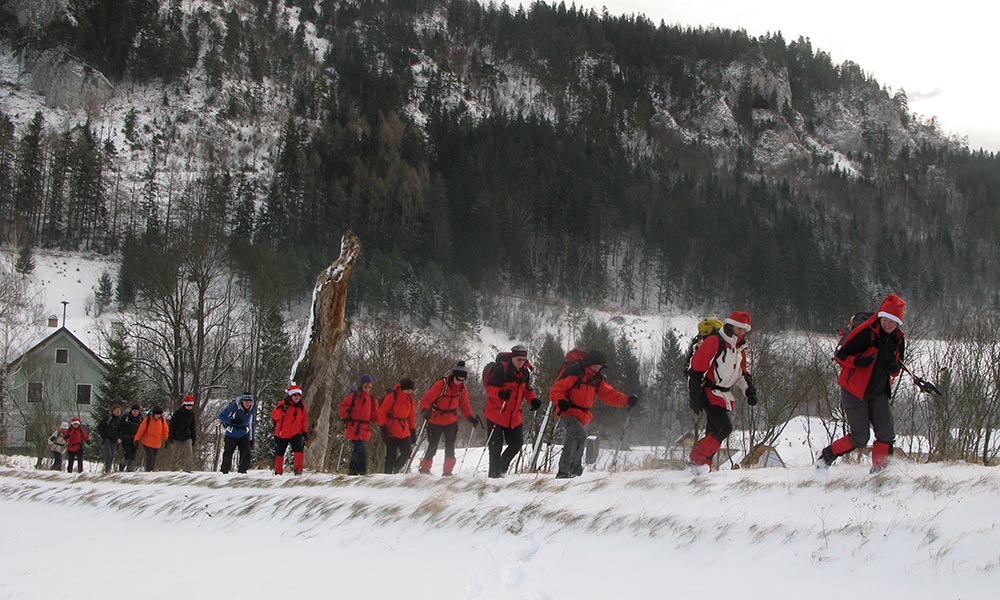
x,y
315,368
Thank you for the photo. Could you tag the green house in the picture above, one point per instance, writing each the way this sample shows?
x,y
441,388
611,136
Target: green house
x,y
54,381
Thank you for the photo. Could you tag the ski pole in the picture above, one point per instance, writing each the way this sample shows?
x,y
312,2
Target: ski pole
x,y
485,448
416,447
621,440
468,443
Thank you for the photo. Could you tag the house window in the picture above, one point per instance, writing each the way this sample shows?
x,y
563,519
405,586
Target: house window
x,y
62,356
34,391
83,393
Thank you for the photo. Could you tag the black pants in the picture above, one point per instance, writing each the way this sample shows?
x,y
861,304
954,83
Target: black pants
x,y
512,436
230,444
718,422
150,457
76,455
397,453
434,433
281,445
56,461
359,458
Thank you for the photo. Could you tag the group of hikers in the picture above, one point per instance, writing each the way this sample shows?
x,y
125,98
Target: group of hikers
x,y
870,354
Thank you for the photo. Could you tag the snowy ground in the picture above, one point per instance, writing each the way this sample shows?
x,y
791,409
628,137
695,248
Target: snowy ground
x,y
927,531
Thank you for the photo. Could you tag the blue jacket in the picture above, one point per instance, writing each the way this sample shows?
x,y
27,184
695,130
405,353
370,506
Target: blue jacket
x,y
238,422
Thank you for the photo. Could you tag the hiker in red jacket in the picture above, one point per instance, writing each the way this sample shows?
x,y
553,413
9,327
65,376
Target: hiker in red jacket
x,y
291,426
439,407
574,392
75,436
397,414
358,411
870,357
508,386
719,365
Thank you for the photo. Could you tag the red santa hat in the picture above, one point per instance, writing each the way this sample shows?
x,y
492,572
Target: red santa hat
x,y
188,400
739,319
892,308
75,421
293,390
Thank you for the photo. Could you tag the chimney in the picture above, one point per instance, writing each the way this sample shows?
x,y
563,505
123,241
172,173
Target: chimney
x,y
53,321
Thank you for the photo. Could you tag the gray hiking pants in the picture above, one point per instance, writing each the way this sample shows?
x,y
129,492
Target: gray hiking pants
x,y
871,413
571,461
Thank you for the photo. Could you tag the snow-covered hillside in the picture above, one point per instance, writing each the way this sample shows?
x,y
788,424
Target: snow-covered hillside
x,y
925,531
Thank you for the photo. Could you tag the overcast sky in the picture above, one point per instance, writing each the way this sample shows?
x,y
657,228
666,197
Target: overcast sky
x,y
942,53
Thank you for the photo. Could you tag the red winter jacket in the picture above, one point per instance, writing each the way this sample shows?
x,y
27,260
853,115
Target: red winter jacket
x,y
723,360
292,421
444,399
863,342
397,413
358,410
582,396
507,413
75,436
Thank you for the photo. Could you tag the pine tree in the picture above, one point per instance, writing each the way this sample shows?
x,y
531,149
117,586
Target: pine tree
x,y
121,382
666,405
25,262
105,292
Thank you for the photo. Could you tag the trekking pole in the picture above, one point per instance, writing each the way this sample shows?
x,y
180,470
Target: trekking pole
x,y
416,446
340,456
924,385
531,436
621,441
468,443
485,448
540,434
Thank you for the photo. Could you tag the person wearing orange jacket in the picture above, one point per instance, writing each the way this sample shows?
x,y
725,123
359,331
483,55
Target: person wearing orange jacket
x,y
397,415
153,431
439,407
509,385
574,394
358,410
719,365
291,426
870,357
75,436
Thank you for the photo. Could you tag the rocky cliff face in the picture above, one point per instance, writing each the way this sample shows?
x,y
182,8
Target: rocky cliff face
x,y
66,82
35,13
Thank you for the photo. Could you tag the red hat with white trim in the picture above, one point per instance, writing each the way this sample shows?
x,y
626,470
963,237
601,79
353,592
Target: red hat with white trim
x,y
739,319
892,308
75,421
188,400
293,390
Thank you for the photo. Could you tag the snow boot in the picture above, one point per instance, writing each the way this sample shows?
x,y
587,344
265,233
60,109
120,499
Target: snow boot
x,y
449,466
880,456
279,465
563,476
825,458
425,466
298,459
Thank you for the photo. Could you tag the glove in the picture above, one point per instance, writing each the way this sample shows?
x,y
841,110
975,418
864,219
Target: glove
x,y
633,400
563,405
236,422
863,361
425,413
413,437
504,394
751,391
474,421
305,435
696,393
535,403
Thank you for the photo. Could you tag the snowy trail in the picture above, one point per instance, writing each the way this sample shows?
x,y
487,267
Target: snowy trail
x,y
927,531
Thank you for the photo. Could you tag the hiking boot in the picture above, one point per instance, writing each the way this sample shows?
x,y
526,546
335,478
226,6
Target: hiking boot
x,y
424,471
825,458
563,476
448,474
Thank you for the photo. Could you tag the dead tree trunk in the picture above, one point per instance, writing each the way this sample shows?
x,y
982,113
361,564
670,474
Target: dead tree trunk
x,y
315,368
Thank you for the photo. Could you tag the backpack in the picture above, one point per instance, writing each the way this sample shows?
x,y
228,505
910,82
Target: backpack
x,y
706,328
492,365
853,323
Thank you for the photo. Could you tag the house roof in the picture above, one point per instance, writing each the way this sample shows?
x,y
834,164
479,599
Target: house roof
x,y
100,361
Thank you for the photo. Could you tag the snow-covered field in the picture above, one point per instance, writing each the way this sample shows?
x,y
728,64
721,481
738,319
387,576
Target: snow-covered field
x,y
915,531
